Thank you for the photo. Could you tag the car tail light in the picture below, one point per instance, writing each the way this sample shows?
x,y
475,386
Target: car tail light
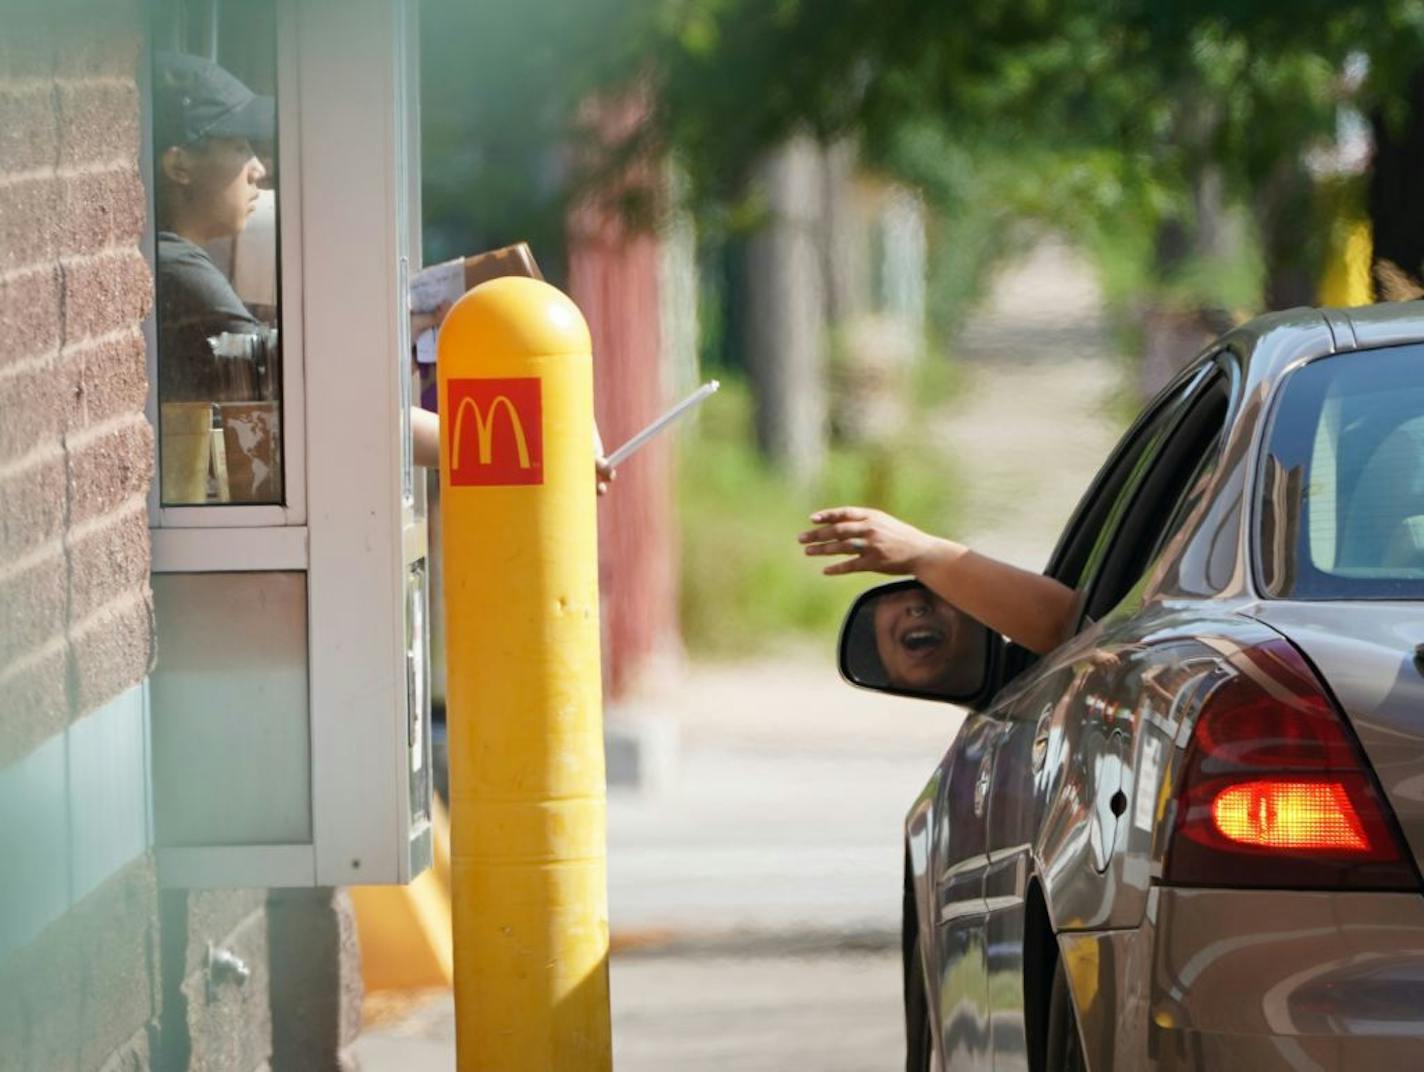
x,y
1272,813
1275,792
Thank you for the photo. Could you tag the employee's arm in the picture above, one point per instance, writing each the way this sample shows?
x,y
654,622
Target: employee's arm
x,y
425,437
1028,608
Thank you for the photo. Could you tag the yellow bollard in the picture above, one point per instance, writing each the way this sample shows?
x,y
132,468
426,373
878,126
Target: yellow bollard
x,y
1346,281
527,790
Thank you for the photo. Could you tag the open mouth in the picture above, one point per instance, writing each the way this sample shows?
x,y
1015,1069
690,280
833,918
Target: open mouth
x,y
922,639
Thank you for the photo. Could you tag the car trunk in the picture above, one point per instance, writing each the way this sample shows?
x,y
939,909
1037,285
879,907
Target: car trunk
x,y
1366,653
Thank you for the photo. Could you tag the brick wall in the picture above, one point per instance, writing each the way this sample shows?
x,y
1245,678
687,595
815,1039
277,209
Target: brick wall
x,y
75,449
75,458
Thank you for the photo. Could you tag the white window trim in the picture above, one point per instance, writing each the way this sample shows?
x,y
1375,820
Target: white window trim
x,y
349,531
235,866
293,431
244,550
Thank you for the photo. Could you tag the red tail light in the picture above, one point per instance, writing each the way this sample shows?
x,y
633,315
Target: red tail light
x,y
1275,814
1274,791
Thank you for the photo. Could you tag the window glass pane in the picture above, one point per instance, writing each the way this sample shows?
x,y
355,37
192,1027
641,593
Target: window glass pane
x,y
1342,501
218,310
231,710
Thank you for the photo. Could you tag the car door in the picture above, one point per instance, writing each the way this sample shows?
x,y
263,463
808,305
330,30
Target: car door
x,y
1061,730
959,856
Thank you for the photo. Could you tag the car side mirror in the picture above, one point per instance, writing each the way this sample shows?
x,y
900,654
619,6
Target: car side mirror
x,y
903,639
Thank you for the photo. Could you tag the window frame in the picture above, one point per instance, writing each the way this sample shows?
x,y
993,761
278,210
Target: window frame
x,y
353,69
257,536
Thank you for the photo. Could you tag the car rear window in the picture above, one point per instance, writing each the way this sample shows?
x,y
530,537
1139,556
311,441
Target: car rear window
x,y
1341,509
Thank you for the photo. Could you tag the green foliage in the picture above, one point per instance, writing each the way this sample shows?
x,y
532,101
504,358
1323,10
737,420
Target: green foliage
x,y
501,88
1092,114
745,581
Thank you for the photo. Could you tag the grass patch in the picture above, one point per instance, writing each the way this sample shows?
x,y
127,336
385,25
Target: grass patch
x,y
935,382
746,584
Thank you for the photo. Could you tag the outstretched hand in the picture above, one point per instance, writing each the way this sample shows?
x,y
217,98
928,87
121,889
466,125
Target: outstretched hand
x,y
876,541
1029,608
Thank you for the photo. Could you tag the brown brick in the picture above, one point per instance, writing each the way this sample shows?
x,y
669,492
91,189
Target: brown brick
x,y
33,605
29,309
104,378
98,122
27,45
119,922
111,651
135,1055
32,503
232,1027
100,41
108,468
33,407
29,222
105,292
316,978
29,131
99,209
218,915
34,703
79,994
107,561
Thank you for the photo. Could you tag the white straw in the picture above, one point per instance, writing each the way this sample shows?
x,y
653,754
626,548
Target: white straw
x,y
623,453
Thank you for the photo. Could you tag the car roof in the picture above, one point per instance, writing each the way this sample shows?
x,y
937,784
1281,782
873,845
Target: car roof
x,y
1271,343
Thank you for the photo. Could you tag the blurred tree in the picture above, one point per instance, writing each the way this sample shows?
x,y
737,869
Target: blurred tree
x,y
1152,124
1244,85
502,85
1178,105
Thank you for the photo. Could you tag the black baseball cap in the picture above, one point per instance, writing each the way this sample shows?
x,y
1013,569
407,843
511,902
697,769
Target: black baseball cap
x,y
194,98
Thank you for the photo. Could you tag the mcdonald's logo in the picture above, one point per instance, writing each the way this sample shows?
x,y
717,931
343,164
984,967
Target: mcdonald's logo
x,y
496,432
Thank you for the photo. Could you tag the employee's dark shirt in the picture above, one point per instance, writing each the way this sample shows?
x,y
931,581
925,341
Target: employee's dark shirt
x,y
195,304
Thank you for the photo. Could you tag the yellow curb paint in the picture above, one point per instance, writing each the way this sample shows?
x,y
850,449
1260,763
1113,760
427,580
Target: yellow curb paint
x,y
407,942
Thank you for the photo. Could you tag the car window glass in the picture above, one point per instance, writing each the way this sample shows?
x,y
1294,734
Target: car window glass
x,y
1121,504
1156,503
1341,509
1190,498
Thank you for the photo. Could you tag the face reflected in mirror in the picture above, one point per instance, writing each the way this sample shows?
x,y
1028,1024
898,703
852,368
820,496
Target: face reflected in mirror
x,y
914,637
909,640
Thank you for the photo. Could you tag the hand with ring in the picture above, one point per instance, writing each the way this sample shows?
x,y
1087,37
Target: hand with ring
x,y
878,542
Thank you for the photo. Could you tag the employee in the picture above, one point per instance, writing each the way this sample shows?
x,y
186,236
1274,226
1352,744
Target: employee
x,y
208,180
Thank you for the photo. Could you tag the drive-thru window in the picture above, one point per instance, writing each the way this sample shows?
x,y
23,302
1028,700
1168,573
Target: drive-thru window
x,y
290,714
